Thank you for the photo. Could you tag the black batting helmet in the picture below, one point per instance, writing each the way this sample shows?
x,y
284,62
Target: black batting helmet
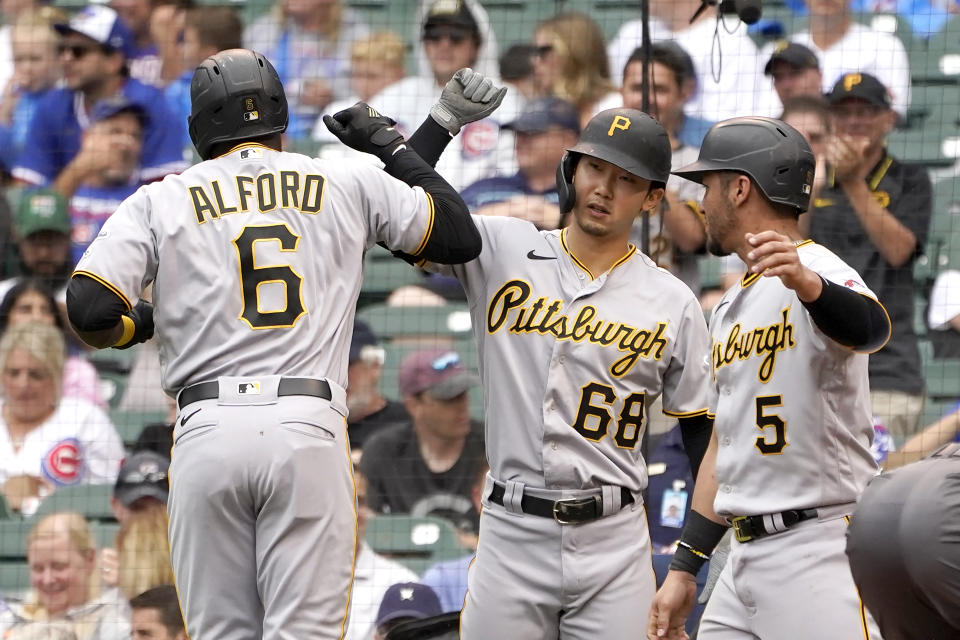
x,y
775,155
627,138
235,95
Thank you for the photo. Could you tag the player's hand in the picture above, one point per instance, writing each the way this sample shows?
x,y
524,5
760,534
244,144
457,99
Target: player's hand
x,y
775,255
671,606
362,128
142,317
467,97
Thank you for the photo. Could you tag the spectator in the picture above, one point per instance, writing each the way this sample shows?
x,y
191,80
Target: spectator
x,y
376,62
571,62
843,45
516,69
542,134
427,466
206,30
43,242
142,552
309,43
142,484
105,171
810,115
454,35
402,602
873,212
370,411
669,491
94,53
144,61
943,315
63,558
728,66
47,440
30,301
10,13
42,631
486,61
155,615
35,72
372,575
795,71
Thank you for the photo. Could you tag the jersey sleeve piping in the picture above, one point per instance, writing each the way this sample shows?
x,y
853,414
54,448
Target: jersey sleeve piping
x,y
107,284
429,229
688,414
889,327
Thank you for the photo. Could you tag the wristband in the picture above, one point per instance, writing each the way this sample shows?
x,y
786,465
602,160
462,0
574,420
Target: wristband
x,y
700,537
129,329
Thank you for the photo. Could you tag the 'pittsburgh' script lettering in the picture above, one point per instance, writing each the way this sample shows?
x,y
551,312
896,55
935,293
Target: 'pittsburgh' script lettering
x,y
508,305
762,342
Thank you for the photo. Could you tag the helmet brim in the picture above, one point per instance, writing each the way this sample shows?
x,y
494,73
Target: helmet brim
x,y
618,158
696,171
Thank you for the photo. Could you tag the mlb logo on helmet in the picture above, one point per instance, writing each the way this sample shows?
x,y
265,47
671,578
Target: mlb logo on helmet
x,y
250,112
63,464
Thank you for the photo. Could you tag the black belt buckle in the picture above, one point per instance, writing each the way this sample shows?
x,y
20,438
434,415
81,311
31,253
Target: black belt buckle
x,y
742,530
574,510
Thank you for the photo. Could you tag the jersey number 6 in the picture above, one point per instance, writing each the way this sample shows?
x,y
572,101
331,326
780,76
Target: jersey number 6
x,y
629,423
253,275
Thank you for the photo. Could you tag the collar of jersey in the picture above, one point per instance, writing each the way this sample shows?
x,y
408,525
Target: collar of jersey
x,y
749,278
631,249
244,145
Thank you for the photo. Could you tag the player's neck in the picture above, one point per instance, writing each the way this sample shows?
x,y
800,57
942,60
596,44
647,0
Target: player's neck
x,y
596,253
439,454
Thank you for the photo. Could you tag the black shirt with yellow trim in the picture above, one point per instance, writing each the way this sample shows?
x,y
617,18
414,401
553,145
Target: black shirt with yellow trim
x,y
905,191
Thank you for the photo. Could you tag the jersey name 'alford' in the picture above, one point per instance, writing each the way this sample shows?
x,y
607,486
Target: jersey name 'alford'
x,y
762,340
584,326
266,192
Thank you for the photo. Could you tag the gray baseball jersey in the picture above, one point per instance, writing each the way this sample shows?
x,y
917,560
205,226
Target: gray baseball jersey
x,y
570,363
793,406
252,257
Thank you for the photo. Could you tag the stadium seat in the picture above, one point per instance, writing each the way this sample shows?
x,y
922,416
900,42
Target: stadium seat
x,y
91,500
383,274
415,542
942,376
129,424
5,512
938,61
393,323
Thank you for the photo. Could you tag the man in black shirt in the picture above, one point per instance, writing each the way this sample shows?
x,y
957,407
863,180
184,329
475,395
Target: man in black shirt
x,y
874,212
427,465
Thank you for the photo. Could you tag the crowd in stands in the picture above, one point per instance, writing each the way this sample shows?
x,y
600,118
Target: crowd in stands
x,y
94,103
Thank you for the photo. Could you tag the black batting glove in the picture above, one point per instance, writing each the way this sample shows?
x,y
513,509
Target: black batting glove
x,y
137,325
360,127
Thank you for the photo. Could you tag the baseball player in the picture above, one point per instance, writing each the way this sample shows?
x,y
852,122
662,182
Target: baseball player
x,y
255,259
903,550
790,453
578,333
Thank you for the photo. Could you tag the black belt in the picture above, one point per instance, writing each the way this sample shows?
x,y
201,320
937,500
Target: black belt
x,y
567,511
287,387
747,528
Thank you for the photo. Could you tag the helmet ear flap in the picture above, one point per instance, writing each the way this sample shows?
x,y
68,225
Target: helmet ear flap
x,y
567,194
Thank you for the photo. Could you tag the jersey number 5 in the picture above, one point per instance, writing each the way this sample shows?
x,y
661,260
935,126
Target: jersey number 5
x,y
253,275
593,421
764,421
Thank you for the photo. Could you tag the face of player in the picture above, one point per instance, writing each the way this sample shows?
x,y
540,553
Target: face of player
x,y
45,252
790,81
35,64
146,624
126,143
59,573
85,63
667,98
546,63
448,49
609,199
442,419
860,119
31,306
812,127
134,13
542,151
367,78
719,215
28,387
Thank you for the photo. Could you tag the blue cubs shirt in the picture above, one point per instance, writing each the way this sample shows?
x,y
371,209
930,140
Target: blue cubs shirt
x,y
89,209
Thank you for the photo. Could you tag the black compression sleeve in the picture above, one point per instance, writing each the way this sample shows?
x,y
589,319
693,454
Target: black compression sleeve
x,y
430,140
454,238
695,432
91,306
849,318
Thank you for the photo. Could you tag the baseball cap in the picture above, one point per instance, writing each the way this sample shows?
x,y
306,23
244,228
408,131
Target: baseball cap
x,y
862,86
450,12
363,338
143,474
42,210
109,107
542,113
101,24
794,54
408,600
438,372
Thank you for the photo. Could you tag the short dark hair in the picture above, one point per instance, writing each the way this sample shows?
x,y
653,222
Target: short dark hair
x,y
25,285
782,210
217,27
814,105
164,600
516,63
671,55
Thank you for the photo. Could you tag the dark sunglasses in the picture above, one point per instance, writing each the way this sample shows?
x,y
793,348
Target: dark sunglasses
x,y
543,50
436,34
76,50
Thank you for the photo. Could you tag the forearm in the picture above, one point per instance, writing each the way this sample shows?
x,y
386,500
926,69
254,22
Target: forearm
x,y
69,180
849,318
684,224
926,442
429,141
705,487
696,432
895,242
95,313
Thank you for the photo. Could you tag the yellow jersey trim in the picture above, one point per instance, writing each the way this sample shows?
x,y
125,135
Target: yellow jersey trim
x,y
576,260
243,145
109,285
429,229
687,414
631,249
749,278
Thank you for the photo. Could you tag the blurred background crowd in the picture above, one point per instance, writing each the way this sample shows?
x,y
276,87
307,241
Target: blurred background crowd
x,y
94,101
